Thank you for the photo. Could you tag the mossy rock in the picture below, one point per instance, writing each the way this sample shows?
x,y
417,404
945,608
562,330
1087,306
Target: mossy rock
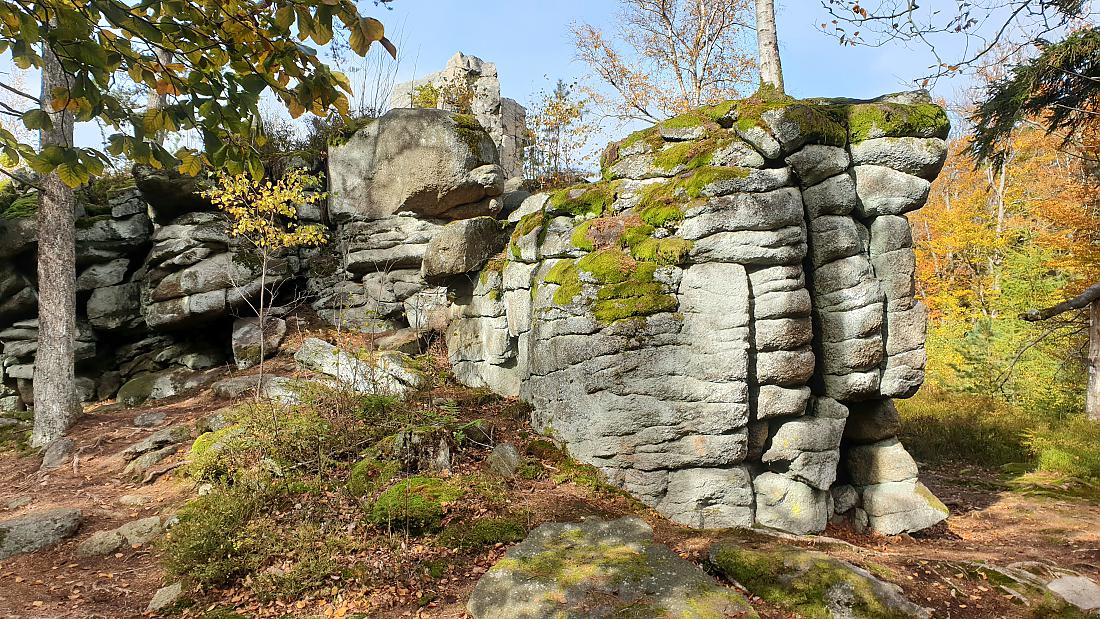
x,y
370,474
589,200
416,504
213,456
811,584
600,569
483,533
895,120
24,205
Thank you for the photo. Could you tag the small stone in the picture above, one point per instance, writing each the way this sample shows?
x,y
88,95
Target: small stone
x,y
57,454
165,597
18,502
140,532
1077,591
133,500
100,543
150,419
504,460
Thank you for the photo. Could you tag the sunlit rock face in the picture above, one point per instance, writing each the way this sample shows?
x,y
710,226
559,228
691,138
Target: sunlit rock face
x,y
720,324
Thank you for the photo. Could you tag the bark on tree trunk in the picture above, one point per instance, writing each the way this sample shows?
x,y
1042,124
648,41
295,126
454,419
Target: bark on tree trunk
x,y
771,69
56,404
1092,397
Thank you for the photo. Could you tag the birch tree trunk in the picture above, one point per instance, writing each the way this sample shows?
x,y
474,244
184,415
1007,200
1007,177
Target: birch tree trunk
x,y
56,404
771,69
1092,396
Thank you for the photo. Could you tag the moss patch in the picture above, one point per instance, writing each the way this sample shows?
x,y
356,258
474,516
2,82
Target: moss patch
x,y
662,251
470,132
526,225
896,120
417,503
585,200
483,533
694,184
370,474
573,560
689,155
25,205
799,581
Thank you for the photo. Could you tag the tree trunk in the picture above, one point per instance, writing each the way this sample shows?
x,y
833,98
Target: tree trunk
x,y
56,404
157,101
1092,398
771,69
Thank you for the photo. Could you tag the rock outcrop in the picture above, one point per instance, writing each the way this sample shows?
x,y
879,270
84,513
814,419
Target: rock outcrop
x,y
469,84
706,322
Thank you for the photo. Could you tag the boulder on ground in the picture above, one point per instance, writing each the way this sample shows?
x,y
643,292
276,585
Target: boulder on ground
x,y
58,453
100,543
390,373
812,584
249,339
599,568
165,597
36,530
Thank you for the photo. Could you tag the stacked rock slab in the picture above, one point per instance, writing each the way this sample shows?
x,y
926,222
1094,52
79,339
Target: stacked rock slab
x,y
504,118
394,185
718,324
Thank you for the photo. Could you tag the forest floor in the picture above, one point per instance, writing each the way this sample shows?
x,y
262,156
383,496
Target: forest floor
x,y
990,523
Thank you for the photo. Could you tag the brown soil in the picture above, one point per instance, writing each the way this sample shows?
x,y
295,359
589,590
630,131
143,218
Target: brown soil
x,y
989,523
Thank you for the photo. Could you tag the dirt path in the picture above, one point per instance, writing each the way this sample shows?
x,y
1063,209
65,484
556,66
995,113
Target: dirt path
x,y
989,523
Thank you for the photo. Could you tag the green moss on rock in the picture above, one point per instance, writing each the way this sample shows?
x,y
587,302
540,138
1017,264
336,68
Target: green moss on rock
x,y
25,205
590,200
417,503
802,582
370,474
483,533
470,132
872,120
662,251
694,184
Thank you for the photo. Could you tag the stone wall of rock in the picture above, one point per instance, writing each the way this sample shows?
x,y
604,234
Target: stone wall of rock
x,y
504,118
720,324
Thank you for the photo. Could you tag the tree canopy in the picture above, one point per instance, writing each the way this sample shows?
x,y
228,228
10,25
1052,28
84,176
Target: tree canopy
x,y
225,54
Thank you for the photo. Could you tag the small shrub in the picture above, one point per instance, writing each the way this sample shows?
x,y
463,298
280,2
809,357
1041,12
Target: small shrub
x,y
483,533
216,539
416,504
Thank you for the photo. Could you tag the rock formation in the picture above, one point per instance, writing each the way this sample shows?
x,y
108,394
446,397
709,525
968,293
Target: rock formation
x,y
720,323
476,83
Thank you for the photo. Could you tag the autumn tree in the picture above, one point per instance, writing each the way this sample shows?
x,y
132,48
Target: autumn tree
x,y
263,216
225,55
668,56
560,131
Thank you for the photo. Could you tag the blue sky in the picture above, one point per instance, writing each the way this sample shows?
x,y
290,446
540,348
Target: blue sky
x,y
529,39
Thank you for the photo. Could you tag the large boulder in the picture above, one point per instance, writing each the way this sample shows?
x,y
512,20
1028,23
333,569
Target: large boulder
x,y
461,247
599,569
430,162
